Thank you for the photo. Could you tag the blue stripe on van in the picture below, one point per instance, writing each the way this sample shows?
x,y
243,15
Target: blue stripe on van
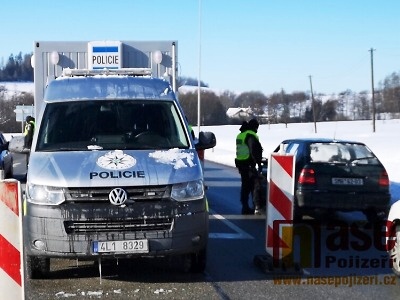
x,y
102,68
105,49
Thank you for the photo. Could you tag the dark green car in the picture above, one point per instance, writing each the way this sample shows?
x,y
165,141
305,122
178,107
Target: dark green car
x,y
337,175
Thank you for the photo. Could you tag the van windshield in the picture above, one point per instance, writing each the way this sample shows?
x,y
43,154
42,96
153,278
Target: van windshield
x,y
111,124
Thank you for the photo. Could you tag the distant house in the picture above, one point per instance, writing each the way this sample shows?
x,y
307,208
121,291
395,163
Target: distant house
x,y
240,113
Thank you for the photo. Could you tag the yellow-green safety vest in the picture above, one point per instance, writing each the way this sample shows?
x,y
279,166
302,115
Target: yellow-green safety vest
x,y
242,150
26,127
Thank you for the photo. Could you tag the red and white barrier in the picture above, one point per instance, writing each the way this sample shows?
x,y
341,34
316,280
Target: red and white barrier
x,y
11,243
279,222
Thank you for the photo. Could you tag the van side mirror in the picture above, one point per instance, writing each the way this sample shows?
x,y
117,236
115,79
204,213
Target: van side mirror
x,y
16,144
206,140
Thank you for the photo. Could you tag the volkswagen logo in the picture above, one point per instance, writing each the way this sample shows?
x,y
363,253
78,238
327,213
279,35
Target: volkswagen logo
x,y
118,196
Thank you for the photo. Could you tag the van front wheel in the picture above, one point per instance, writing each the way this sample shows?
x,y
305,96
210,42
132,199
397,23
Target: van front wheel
x,y
37,267
198,261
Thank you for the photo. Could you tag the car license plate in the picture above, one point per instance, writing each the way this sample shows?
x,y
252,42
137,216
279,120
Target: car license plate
x,y
128,246
347,181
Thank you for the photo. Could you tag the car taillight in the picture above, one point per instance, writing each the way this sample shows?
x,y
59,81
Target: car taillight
x,y
307,176
384,178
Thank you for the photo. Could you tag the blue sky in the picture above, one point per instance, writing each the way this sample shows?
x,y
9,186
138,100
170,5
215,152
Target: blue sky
x,y
253,45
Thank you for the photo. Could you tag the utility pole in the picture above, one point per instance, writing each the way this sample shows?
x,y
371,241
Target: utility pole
x,y
199,80
373,91
313,106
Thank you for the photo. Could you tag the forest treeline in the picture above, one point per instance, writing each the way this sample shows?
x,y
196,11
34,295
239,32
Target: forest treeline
x,y
279,107
17,68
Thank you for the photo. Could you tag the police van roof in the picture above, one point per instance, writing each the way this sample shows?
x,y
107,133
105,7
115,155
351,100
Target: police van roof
x,y
112,86
67,72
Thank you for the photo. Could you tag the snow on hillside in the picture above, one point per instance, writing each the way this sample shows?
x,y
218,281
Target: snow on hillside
x,y
16,88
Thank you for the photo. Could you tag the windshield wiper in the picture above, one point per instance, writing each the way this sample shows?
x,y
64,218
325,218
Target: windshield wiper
x,y
356,160
53,149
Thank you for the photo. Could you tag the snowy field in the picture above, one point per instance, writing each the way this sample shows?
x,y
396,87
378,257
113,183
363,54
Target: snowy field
x,y
383,142
16,88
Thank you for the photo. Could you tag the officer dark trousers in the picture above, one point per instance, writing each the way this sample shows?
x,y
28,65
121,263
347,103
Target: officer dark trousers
x,y
246,189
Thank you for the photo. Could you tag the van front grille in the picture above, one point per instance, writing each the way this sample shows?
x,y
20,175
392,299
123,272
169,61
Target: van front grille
x,y
100,194
136,225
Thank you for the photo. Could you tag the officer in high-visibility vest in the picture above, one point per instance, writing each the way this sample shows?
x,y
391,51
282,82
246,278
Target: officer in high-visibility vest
x,y
29,130
248,157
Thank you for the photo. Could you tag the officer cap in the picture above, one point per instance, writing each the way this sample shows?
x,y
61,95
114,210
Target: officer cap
x,y
253,124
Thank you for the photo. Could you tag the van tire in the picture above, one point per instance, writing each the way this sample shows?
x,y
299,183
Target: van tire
x,y
37,267
198,261
10,173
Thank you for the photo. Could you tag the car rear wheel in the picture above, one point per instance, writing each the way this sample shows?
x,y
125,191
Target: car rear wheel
x,y
297,213
374,215
395,253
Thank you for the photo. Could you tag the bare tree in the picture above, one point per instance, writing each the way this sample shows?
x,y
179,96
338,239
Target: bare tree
x,y
212,111
391,93
362,106
298,101
8,121
256,100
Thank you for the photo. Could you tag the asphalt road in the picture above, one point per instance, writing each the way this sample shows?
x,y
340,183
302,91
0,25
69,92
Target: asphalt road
x,y
351,266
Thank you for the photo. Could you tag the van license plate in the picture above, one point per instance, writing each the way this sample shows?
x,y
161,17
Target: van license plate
x,y
347,181
128,246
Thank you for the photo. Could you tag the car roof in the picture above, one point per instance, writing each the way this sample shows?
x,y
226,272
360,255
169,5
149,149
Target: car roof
x,y
320,140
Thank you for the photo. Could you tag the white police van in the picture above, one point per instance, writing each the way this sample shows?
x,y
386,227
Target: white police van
x,y
113,172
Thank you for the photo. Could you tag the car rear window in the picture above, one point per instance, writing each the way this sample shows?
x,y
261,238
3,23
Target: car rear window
x,y
341,153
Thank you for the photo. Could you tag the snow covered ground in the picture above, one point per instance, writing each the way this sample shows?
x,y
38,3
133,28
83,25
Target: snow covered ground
x,y
383,142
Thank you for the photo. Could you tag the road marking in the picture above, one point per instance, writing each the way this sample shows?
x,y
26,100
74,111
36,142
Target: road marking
x,y
240,234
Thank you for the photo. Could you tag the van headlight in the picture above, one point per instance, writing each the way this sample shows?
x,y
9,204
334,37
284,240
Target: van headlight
x,y
45,195
192,190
